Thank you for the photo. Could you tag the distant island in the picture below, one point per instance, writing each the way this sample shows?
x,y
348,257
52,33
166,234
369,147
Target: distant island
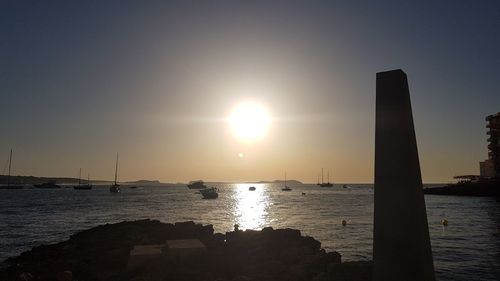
x,y
25,180
291,182
145,182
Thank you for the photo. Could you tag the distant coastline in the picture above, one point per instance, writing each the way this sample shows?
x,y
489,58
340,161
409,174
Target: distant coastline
x,y
28,180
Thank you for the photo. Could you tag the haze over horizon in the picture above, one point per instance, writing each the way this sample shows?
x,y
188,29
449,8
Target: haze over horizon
x,y
164,84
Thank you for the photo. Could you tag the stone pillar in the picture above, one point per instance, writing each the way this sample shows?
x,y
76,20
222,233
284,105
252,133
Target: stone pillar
x,y
401,244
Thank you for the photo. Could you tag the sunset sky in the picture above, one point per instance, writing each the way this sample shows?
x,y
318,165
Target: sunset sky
x,y
158,82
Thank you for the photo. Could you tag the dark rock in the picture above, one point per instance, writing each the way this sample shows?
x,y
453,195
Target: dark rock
x,y
207,230
101,253
290,255
267,230
25,276
323,276
242,278
64,276
334,257
274,267
305,251
184,225
287,233
473,188
219,237
352,271
311,243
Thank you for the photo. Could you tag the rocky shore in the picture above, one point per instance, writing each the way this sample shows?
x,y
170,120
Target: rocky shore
x,y
489,188
102,253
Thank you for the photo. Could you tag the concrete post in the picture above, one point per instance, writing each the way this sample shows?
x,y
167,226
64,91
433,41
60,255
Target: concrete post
x,y
401,244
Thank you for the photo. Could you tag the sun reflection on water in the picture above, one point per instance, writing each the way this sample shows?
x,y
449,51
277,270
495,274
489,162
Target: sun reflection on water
x,y
251,206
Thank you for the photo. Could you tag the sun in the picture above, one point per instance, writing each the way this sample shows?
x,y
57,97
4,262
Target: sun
x,y
249,121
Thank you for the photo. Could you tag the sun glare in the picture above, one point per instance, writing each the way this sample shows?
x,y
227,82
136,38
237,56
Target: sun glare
x,y
249,121
251,206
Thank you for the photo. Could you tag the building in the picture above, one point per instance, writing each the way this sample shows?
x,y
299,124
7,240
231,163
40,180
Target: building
x,y
487,169
490,168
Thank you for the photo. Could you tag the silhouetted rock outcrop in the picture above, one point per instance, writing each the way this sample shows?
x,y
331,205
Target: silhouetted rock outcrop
x,y
101,253
476,188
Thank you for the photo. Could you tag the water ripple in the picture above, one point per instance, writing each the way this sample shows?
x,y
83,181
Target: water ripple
x,y
465,250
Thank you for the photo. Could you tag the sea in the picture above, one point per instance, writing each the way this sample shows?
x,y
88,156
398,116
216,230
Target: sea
x,y
467,249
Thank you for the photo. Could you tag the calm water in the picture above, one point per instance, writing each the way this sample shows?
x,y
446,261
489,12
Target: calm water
x,y
468,249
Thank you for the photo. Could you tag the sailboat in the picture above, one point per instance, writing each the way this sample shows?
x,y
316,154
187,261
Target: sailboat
x,y
286,188
115,188
325,184
10,186
81,186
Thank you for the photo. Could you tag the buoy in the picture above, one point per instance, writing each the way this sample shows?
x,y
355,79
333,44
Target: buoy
x,y
303,193
344,222
444,222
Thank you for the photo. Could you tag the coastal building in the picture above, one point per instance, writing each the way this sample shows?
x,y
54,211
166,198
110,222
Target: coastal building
x,y
487,168
490,168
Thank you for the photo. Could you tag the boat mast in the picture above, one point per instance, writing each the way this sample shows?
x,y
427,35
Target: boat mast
x,y
322,176
88,178
10,162
79,177
328,176
285,179
116,167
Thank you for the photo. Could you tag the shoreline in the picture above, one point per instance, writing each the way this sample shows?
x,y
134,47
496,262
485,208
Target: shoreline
x,y
490,188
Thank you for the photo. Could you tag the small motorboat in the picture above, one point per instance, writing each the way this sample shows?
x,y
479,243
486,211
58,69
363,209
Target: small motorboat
x,y
251,188
345,186
209,193
115,188
133,187
50,184
83,187
11,186
197,185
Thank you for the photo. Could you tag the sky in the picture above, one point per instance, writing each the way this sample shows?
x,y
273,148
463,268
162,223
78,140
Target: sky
x,y
157,80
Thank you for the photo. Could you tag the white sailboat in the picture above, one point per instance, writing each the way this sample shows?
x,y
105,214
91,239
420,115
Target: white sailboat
x,y
81,186
286,188
115,188
9,185
325,184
